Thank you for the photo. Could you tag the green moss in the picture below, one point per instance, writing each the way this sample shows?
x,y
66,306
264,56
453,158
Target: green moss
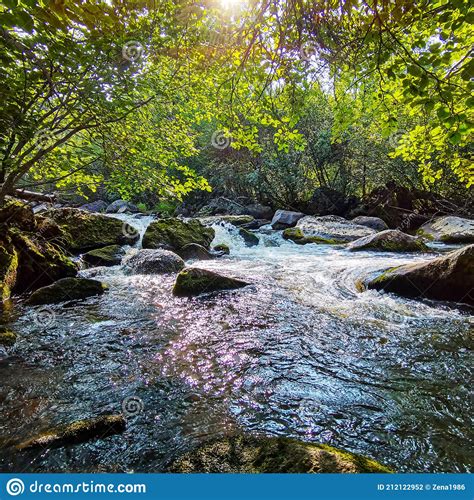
x,y
106,256
297,235
222,247
175,234
8,270
67,289
193,281
250,238
7,337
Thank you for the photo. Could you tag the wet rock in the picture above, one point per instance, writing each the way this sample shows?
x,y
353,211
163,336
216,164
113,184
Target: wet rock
x,y
328,201
8,267
259,211
222,248
95,206
195,251
450,277
76,432
373,222
48,229
390,240
246,454
285,218
105,256
67,289
332,229
121,206
7,337
155,262
193,281
85,231
251,239
174,234
296,234
256,224
449,229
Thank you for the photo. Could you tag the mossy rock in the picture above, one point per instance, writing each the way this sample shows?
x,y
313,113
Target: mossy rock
x,y
158,261
174,234
450,278
40,263
390,240
250,239
7,337
449,229
85,231
15,213
75,433
247,455
8,268
106,256
296,235
235,220
193,281
67,289
193,251
222,248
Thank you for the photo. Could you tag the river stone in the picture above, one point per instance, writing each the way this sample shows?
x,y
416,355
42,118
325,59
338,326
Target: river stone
x,y
296,235
449,229
285,218
249,455
121,206
174,234
251,239
105,256
155,262
85,231
76,432
390,240
235,220
450,277
332,228
193,281
222,248
67,289
95,206
373,222
195,251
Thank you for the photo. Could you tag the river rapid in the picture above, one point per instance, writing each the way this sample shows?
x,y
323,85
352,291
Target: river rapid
x,y
299,353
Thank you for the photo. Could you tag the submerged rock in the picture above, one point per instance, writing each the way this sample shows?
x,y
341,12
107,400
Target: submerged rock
x,y
449,230
193,281
106,256
174,234
67,289
155,262
85,231
285,218
390,240
332,228
76,432
246,454
450,277
251,239
373,222
7,337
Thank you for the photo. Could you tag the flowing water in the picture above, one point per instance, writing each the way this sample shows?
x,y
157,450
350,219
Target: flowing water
x,y
299,353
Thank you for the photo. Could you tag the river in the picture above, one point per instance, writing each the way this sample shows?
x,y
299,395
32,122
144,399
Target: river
x,y
299,353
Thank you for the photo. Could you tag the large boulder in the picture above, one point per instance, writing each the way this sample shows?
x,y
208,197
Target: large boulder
x,y
449,229
76,432
120,207
95,206
85,231
66,289
174,234
275,455
105,256
331,229
192,281
14,213
390,240
285,218
250,239
375,223
328,201
450,277
155,262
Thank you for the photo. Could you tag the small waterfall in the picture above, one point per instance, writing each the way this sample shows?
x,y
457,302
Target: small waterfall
x,y
139,222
